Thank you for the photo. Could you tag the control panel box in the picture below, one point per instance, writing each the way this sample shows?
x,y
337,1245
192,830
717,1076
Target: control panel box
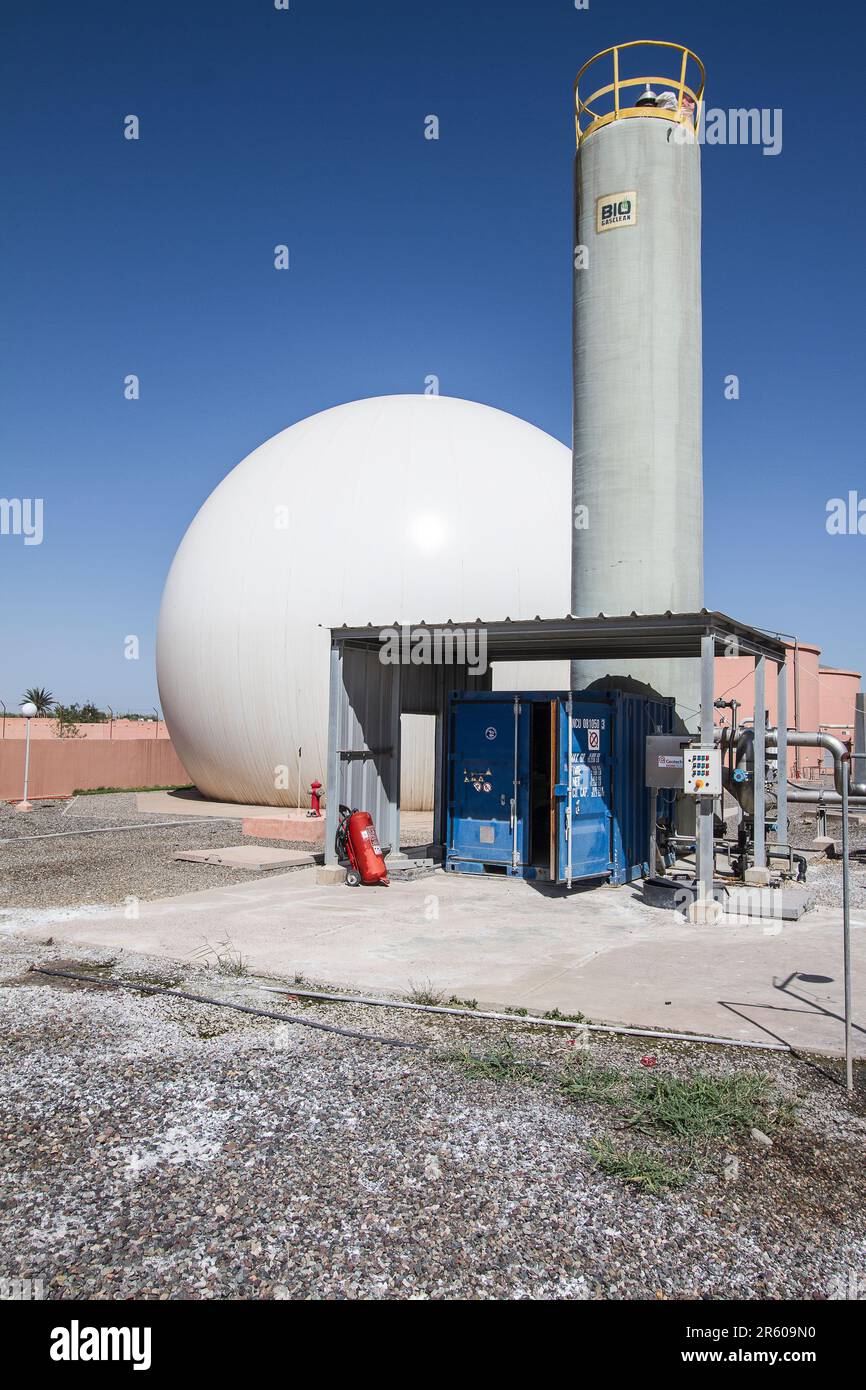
x,y
664,760
702,771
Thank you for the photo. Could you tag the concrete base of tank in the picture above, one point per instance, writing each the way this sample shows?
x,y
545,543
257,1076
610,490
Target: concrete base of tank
x,y
602,952
786,904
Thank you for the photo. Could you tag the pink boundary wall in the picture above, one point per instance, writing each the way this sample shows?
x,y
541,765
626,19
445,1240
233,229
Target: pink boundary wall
x,y
60,766
134,729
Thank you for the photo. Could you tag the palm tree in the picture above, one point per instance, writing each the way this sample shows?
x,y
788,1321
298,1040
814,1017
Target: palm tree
x,y
40,697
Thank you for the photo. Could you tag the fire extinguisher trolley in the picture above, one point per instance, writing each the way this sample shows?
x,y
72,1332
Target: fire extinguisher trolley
x,y
357,842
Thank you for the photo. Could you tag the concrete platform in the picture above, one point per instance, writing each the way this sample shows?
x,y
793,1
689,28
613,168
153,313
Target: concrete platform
x,y
786,904
288,825
173,804
505,942
254,857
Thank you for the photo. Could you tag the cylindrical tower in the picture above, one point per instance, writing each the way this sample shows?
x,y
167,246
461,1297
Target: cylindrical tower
x,y
638,504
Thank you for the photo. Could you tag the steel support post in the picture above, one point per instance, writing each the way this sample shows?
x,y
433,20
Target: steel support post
x,y
706,803
782,755
335,724
760,763
846,932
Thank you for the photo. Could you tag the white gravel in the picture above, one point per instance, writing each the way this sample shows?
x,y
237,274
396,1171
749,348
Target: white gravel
x,y
158,1148
106,869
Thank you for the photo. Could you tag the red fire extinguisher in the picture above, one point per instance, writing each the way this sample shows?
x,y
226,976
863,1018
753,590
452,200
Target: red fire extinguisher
x,y
358,842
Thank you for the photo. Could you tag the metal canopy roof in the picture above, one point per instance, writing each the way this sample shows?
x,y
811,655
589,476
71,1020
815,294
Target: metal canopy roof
x,y
629,636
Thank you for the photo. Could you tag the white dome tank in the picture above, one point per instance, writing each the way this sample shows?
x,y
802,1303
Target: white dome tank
x,y
394,508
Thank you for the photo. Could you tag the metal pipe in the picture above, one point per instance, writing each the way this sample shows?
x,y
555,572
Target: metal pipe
x,y
846,939
115,829
705,865
391,1004
832,745
759,762
526,1018
813,797
26,760
801,738
796,704
782,754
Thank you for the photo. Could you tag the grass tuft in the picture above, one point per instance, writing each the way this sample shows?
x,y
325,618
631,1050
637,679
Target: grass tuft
x,y
555,1016
106,791
423,992
707,1107
637,1166
224,959
499,1064
584,1082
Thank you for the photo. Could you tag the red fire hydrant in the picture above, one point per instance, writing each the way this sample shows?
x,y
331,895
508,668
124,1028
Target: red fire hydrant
x,y
316,799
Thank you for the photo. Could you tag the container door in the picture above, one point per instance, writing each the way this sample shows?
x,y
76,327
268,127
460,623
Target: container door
x,y
584,839
553,840
483,815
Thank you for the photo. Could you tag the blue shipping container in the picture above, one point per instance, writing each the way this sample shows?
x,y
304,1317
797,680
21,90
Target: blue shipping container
x,y
551,786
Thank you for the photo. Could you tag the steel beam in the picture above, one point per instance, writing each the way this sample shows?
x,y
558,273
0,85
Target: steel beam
x,y
393,790
336,700
760,763
706,803
782,755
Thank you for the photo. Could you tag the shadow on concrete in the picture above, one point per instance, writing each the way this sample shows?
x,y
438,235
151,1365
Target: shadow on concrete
x,y
559,890
784,988
747,1010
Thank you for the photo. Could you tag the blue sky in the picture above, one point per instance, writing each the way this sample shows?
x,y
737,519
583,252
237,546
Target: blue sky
x,y
408,257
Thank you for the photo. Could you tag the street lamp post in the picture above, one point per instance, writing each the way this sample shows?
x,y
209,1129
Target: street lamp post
x,y
28,710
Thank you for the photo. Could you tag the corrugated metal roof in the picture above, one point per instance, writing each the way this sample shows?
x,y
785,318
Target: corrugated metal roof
x,y
631,636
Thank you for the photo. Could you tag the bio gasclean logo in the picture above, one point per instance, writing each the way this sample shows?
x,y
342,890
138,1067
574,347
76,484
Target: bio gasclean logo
x,y
615,210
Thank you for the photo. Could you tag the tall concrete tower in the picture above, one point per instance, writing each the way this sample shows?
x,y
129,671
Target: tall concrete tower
x,y
638,494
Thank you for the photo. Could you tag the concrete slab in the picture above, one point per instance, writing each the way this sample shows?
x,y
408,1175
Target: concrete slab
x,y
330,873
254,857
786,903
289,825
757,878
510,943
172,804
705,912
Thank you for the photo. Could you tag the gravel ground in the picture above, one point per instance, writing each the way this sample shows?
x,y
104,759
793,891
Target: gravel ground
x,y
106,869
825,875
162,1149
99,869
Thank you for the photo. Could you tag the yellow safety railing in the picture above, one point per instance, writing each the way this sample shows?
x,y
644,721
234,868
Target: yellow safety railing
x,y
614,101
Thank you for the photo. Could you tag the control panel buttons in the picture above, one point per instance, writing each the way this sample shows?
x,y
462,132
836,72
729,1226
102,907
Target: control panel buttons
x,y
702,771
